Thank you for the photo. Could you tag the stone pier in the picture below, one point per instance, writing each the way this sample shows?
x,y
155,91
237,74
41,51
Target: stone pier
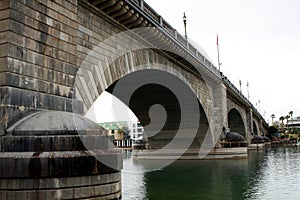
x,y
48,150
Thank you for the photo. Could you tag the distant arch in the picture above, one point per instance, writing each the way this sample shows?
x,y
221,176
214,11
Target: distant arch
x,y
235,122
255,129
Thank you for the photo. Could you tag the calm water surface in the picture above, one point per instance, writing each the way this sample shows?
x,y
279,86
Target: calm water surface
x,y
270,174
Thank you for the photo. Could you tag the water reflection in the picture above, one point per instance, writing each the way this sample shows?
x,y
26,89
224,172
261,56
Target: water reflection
x,y
280,175
274,174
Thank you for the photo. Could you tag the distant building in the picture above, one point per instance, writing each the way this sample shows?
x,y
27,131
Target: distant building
x,y
137,131
116,130
294,122
137,136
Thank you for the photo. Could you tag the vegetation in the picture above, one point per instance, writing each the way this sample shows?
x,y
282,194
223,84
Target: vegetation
x,y
282,129
281,119
272,130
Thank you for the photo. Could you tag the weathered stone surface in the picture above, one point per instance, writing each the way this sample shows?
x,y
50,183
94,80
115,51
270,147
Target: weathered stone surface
x,y
41,159
63,187
42,145
53,121
42,47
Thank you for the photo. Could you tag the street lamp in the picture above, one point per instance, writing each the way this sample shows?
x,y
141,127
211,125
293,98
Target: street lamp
x,y
184,22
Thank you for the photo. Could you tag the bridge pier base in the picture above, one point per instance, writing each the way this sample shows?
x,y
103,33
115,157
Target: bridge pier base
x,y
58,155
84,187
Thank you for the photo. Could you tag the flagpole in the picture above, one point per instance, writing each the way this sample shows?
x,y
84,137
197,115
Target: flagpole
x,y
248,90
218,52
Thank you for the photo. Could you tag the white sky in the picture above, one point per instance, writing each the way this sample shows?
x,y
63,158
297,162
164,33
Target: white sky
x,y
101,110
259,42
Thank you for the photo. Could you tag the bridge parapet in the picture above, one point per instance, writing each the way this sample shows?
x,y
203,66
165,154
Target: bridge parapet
x,y
245,101
142,15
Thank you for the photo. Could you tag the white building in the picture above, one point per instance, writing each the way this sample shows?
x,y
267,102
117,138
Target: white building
x,y
137,131
294,122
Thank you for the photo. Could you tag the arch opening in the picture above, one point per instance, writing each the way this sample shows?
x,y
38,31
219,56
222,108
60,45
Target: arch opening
x,y
235,122
255,129
166,123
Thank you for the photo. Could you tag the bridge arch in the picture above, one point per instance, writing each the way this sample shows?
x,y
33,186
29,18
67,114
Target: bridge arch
x,y
152,94
236,122
255,128
92,80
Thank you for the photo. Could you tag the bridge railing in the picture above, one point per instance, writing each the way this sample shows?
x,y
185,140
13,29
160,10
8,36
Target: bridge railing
x,y
169,30
240,94
177,37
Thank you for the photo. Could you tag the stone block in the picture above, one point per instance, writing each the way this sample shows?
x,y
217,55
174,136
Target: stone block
x,y
17,27
35,194
77,106
75,181
53,194
9,184
21,98
3,37
3,64
3,195
16,16
84,192
98,179
16,39
16,195
5,24
3,95
29,184
4,4
32,23
3,49
7,167
49,183
67,193
103,190
68,5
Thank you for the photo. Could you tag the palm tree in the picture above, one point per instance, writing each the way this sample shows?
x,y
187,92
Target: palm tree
x,y
272,116
291,114
281,119
287,121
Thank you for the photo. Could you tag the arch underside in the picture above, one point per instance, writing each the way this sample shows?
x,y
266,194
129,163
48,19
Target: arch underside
x,y
105,76
235,122
255,129
152,94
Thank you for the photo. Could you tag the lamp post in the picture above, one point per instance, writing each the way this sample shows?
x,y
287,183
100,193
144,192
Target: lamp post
x,y
184,22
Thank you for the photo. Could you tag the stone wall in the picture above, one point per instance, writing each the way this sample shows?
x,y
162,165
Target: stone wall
x,y
38,57
38,65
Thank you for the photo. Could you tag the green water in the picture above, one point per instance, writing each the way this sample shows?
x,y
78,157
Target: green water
x,y
270,174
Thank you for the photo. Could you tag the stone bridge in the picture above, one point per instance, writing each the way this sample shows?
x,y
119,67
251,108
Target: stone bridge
x,y
58,56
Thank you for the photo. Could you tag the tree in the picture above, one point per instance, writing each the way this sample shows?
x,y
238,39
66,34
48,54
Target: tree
x,y
287,121
291,114
125,130
281,119
272,130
